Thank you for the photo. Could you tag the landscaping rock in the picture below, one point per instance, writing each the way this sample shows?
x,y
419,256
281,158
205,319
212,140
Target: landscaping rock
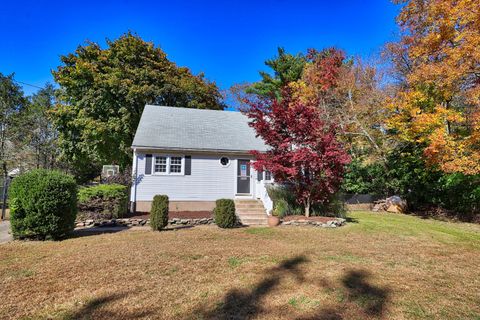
x,y
141,222
391,204
336,222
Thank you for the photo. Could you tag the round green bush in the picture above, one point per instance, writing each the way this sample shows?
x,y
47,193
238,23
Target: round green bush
x,y
159,212
224,213
43,205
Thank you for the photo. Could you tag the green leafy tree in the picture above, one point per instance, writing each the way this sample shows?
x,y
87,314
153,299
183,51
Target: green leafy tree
x,y
42,136
12,102
103,92
286,68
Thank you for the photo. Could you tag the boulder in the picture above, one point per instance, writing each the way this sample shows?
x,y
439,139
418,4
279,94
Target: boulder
x,y
396,204
391,204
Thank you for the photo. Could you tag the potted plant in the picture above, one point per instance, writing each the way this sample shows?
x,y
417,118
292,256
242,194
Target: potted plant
x,y
273,220
279,210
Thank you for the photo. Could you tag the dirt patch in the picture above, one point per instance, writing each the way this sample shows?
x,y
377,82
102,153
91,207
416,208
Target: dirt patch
x,y
315,218
178,214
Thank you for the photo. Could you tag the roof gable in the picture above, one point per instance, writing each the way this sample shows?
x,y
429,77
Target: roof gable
x,y
195,129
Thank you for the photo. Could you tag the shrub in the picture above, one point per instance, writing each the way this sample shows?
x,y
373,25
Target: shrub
x,y
103,201
460,193
285,203
43,205
281,208
159,212
365,179
283,193
224,213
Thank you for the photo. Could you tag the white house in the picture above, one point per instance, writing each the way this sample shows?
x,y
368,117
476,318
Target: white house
x,y
196,157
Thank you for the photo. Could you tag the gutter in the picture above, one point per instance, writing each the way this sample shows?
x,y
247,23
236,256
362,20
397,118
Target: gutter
x,y
194,149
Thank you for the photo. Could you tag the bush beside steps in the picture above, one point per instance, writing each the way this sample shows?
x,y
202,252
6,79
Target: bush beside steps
x,y
224,213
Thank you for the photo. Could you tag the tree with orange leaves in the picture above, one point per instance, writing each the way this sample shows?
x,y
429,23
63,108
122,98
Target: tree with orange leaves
x,y
438,60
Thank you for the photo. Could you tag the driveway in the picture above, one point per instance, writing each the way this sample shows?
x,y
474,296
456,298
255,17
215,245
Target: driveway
x,y
5,236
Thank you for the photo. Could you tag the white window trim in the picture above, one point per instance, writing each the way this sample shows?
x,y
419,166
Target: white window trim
x,y
264,173
169,157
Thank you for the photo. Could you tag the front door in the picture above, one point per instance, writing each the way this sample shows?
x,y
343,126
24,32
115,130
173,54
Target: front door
x,y
243,176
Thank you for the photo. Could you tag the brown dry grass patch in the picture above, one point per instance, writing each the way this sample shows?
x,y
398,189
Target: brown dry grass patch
x,y
379,266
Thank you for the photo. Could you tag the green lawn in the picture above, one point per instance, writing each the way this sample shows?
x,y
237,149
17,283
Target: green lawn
x,y
378,266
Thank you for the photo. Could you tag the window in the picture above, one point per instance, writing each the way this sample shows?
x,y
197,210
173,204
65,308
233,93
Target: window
x,y
268,175
160,165
175,164
224,161
168,165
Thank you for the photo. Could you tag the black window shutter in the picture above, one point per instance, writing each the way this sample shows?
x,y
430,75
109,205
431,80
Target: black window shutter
x,y
148,164
259,175
188,165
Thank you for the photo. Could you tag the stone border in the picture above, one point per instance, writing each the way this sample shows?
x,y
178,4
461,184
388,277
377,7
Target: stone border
x,y
139,222
337,222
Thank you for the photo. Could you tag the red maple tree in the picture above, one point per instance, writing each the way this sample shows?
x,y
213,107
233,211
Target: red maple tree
x,y
304,152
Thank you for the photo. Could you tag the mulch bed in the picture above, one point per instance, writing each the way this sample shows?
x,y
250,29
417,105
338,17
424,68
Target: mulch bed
x,y
315,218
177,214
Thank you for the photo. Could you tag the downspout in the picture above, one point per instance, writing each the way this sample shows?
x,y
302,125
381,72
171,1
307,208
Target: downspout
x,y
133,203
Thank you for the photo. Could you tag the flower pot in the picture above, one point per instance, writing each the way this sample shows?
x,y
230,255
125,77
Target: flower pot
x,y
273,221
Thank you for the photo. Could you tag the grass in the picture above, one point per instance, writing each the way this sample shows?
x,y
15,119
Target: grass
x,y
378,266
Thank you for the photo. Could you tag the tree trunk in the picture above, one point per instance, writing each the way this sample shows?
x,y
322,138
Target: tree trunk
x,y
307,207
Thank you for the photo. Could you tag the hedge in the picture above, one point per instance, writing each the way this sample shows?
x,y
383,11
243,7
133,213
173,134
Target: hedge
x,y
224,213
103,201
43,205
159,212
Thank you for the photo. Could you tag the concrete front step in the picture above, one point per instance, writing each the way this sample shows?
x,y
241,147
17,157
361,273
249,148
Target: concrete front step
x,y
251,212
252,215
253,221
248,205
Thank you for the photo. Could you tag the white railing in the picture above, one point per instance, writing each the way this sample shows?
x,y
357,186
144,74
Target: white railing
x,y
267,202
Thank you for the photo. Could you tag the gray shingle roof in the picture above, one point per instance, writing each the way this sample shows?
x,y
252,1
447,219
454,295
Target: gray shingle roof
x,y
194,129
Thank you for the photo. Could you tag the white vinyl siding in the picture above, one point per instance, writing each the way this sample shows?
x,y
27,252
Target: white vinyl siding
x,y
208,181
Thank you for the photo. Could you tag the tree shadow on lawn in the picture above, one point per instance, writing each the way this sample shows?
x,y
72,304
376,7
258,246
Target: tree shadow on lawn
x,y
94,231
243,304
371,299
90,310
351,220
247,304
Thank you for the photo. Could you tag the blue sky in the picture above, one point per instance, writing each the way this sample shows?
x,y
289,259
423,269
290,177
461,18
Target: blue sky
x,y
227,40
